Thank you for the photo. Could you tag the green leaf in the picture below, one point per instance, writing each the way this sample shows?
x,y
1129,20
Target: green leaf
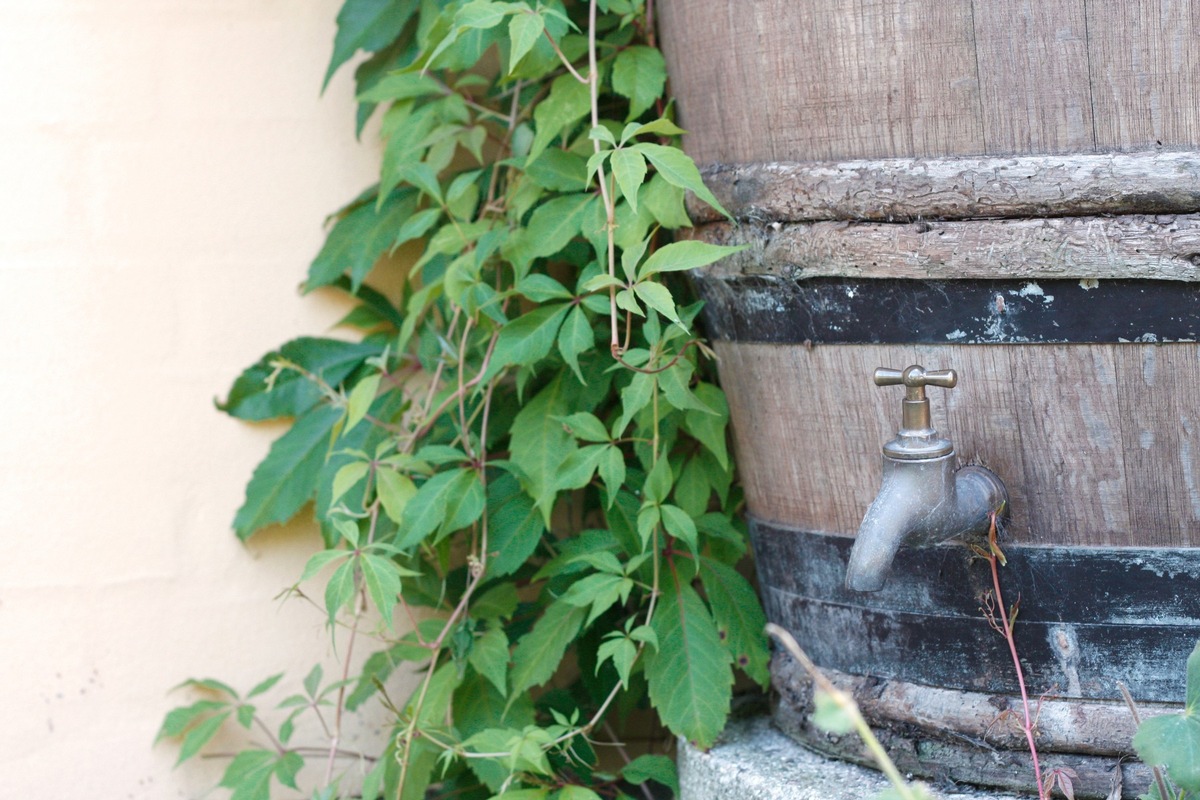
x,y
739,615
657,297
612,471
648,519
1173,740
417,226
358,239
575,338
604,561
575,792
523,794
692,489
598,282
680,525
462,196
498,602
346,477
367,25
249,775
528,338
660,769
678,169
634,398
312,681
199,735
663,127
707,427
320,560
382,577
489,657
286,768
658,482
514,526
339,592
446,502
569,101
539,443
395,490
287,477
537,655
829,715
684,255
524,29
540,288
665,202
482,14
180,719
578,467
400,86
552,226
639,73
690,680
264,392
602,134
264,685
586,427
558,171
622,652
464,505
600,591
424,178
629,167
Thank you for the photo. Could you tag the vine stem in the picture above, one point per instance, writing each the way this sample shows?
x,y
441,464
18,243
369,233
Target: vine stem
x,y
1007,632
847,704
606,196
1159,781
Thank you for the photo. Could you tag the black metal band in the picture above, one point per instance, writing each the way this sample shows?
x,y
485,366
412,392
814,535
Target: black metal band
x,y
776,310
1089,617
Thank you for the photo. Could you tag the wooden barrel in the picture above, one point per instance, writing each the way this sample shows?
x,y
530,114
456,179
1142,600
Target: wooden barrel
x,y
1009,189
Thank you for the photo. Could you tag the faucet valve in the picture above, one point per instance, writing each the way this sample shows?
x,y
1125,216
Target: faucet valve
x,y
923,500
917,439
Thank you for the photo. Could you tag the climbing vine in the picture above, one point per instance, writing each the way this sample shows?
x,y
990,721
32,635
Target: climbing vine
x,y
519,464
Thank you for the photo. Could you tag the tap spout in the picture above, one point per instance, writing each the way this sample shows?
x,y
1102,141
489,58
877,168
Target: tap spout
x,y
920,502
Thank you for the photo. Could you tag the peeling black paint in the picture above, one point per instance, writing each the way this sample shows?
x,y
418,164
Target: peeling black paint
x,y
1089,617
779,310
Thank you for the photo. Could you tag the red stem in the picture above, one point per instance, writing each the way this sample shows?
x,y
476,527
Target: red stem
x,y
1012,648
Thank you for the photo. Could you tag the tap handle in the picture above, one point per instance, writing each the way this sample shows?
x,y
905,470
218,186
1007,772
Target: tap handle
x,y
916,376
916,437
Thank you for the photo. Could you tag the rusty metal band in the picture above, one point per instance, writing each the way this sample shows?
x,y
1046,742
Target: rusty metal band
x,y
780,310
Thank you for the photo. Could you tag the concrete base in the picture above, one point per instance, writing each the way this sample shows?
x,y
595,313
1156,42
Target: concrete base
x,y
753,761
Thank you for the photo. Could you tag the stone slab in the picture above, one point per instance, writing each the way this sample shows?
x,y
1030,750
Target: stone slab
x,y
754,761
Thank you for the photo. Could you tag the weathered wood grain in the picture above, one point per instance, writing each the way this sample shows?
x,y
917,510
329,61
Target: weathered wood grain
x,y
946,754
1050,420
1163,247
1033,76
773,79
1092,727
1145,73
826,79
906,189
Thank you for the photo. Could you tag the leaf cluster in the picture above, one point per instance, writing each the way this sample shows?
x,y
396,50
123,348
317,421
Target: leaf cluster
x,y
519,462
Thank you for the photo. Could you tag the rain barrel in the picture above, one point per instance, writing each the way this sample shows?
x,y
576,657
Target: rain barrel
x,y
1008,189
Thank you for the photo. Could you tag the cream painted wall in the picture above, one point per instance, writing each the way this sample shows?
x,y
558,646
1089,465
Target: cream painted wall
x,y
165,166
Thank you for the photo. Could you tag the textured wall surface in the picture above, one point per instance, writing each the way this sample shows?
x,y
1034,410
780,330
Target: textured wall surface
x,y
164,171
